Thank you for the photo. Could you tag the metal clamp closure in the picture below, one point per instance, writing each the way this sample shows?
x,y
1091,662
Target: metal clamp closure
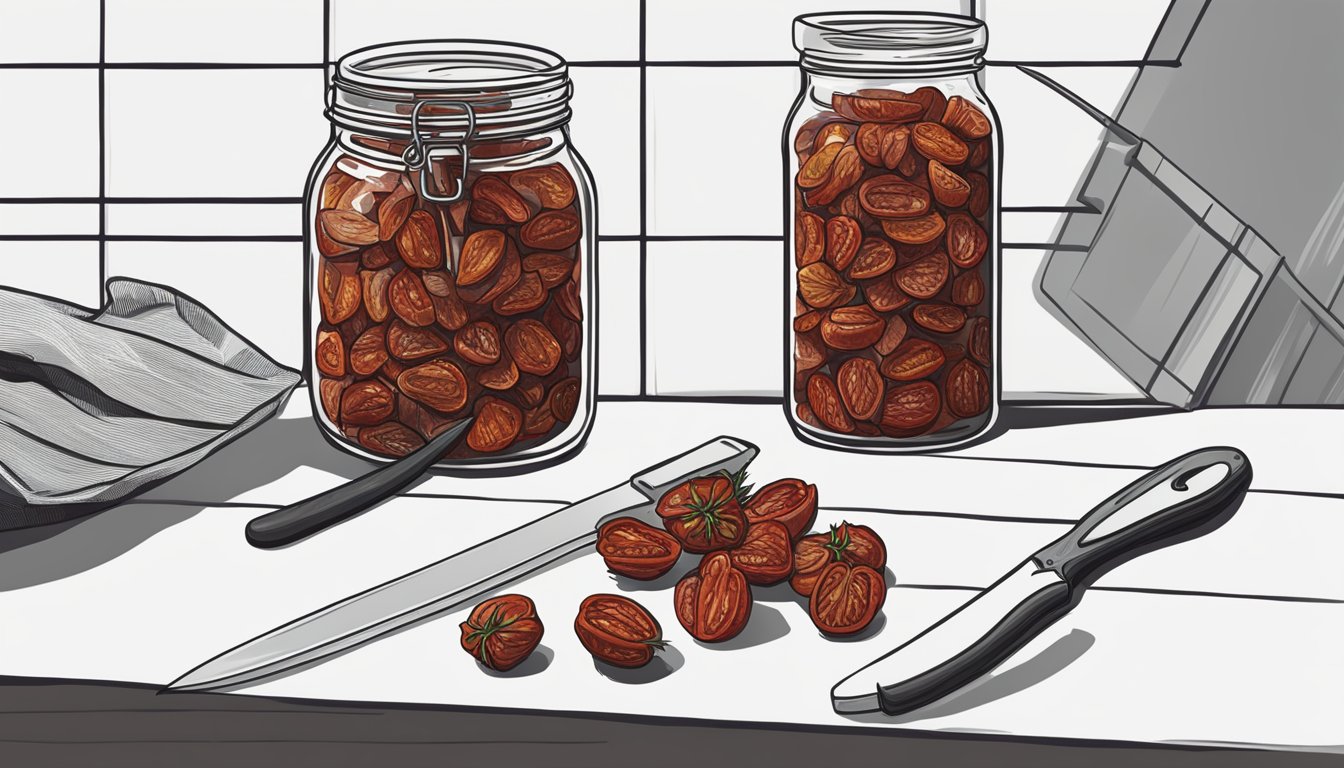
x,y
416,155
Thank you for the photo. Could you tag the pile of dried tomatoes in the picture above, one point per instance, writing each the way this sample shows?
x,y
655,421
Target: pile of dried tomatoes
x,y
746,539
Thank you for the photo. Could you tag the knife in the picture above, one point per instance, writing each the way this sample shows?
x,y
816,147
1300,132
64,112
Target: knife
x,y
1180,500
458,579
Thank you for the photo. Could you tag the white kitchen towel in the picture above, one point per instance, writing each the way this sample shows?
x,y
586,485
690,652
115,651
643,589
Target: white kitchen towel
x,y
97,406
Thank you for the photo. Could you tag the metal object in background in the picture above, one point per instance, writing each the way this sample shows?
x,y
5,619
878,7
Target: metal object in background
x,y
1183,499
1174,279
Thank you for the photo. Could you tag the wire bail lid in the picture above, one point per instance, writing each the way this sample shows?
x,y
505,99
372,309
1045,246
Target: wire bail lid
x,y
445,95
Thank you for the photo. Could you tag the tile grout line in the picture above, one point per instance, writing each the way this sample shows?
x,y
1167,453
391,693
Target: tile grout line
x,y
594,63
326,35
102,150
115,200
106,238
683,64
643,200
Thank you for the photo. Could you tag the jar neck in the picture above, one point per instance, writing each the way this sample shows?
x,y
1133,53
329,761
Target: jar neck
x,y
819,88
450,91
889,45
521,150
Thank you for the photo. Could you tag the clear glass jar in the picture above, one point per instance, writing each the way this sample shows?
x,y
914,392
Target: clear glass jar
x,y
451,230
893,270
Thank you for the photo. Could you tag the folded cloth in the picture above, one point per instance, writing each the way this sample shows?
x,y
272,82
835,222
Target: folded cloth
x,y
97,407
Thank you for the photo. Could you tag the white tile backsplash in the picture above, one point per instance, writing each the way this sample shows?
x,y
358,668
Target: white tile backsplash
x,y
271,31
67,270
64,31
231,219
213,133
48,219
618,339
605,131
1068,30
1029,226
49,131
716,318
714,308
746,30
575,29
256,288
715,160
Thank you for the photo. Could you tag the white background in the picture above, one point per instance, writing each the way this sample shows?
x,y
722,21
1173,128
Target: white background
x,y
220,102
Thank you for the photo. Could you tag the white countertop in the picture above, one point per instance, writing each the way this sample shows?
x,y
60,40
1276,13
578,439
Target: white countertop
x,y
1230,638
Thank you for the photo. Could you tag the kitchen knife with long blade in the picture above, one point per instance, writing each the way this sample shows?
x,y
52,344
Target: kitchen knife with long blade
x,y
1180,500
458,579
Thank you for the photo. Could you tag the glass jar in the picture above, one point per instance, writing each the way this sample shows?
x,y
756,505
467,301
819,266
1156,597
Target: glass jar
x,y
451,239
893,271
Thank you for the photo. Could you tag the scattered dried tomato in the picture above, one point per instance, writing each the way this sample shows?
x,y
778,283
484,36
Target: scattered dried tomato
x,y
846,598
766,555
705,514
848,543
713,602
502,631
618,630
637,550
790,501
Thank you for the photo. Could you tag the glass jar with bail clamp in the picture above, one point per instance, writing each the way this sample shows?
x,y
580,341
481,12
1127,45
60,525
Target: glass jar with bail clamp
x,y
892,161
450,230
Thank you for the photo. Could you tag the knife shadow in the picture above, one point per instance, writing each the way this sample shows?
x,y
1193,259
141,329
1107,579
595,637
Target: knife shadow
x,y
994,686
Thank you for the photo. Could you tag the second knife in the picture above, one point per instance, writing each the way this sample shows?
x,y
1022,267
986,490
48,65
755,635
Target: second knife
x,y
1184,498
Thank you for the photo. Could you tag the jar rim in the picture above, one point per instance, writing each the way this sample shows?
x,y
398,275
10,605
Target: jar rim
x,y
877,42
511,89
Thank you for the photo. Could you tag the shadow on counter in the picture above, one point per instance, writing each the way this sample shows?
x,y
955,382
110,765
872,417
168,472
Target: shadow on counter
x,y
1035,415
994,686
42,554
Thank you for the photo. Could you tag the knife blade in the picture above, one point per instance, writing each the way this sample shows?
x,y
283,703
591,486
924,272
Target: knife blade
x,y
460,578
1180,500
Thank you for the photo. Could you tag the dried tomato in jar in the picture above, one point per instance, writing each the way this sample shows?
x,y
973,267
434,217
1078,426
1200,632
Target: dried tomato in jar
x,y
893,197
451,246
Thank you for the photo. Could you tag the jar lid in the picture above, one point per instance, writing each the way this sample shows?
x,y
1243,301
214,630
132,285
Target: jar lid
x,y
490,89
871,43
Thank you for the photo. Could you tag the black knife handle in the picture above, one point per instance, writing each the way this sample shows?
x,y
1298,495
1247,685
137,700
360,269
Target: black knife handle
x,y
1024,622
1080,560
305,518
